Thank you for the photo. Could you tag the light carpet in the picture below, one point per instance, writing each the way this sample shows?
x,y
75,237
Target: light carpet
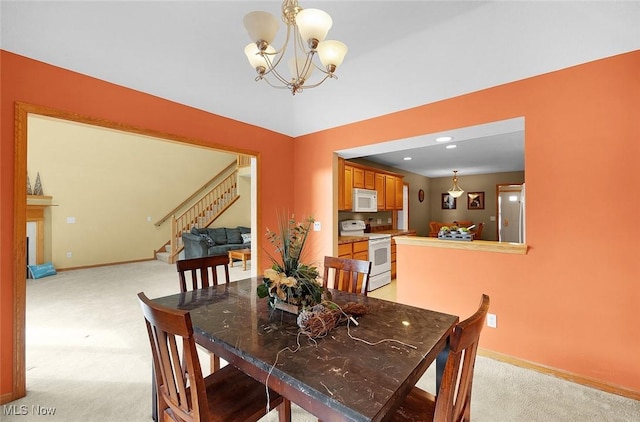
x,y
88,359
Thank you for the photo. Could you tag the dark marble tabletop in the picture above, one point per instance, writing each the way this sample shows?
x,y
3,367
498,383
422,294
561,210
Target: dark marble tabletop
x,y
335,377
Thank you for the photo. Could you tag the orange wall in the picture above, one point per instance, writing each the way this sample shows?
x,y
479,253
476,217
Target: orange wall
x,y
581,131
26,80
572,302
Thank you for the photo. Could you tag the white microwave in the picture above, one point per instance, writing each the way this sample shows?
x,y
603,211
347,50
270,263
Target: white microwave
x,y
365,200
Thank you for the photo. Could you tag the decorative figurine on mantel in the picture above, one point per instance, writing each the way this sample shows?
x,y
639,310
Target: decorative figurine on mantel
x,y
37,190
29,191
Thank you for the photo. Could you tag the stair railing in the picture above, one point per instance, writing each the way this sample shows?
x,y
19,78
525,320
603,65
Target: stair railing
x,y
231,166
203,212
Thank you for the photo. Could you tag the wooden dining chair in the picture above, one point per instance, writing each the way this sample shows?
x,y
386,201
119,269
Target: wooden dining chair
x,y
183,394
202,272
478,233
453,402
349,275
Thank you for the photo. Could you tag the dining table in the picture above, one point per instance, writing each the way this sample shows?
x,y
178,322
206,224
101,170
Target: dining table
x,y
361,370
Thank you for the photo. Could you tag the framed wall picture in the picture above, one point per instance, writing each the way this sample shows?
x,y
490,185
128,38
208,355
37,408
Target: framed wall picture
x,y
475,200
448,202
421,195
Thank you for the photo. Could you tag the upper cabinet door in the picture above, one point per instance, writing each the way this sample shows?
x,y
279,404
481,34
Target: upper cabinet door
x,y
399,193
358,177
380,188
348,187
369,179
389,192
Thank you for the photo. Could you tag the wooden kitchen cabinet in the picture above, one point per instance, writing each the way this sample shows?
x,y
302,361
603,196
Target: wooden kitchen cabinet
x,y
361,250
369,179
340,184
380,189
393,192
363,178
399,193
387,185
348,187
389,192
345,250
355,250
358,177
393,258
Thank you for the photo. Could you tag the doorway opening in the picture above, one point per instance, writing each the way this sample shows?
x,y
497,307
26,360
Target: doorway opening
x,y
511,213
23,111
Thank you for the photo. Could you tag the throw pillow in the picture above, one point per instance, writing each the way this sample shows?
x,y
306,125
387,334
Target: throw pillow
x,y
208,239
246,237
233,236
219,235
198,231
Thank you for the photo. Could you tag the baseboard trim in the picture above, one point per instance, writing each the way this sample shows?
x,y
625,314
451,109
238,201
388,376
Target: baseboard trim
x,y
6,398
565,375
83,267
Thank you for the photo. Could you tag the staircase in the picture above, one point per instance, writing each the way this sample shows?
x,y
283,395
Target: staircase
x,y
202,212
164,254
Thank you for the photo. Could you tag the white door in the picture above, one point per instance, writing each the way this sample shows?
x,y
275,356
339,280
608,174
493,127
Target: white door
x,y
403,215
510,208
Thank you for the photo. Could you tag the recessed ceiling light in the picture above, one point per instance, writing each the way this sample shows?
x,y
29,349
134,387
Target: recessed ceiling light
x,y
407,158
444,139
451,146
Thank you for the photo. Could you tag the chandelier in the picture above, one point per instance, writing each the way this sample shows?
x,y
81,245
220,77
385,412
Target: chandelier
x,y
455,190
306,29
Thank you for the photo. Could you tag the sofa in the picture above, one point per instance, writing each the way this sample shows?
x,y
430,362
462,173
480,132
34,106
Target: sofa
x,y
215,241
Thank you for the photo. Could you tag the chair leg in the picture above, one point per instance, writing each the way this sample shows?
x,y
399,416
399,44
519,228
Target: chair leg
x,y
284,411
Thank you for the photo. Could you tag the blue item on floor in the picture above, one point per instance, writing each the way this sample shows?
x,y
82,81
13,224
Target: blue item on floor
x,y
41,270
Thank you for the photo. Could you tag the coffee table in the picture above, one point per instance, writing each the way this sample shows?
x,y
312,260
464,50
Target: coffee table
x,y
241,254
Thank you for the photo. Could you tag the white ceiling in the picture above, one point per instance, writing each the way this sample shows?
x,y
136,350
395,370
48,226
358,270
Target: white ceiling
x,y
402,54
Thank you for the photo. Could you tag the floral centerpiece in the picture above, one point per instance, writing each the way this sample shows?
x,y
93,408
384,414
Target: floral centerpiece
x,y
289,281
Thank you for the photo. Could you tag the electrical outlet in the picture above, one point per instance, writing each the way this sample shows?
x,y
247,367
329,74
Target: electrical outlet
x,y
492,320
492,218
389,220
379,221
69,254
149,219
317,226
71,220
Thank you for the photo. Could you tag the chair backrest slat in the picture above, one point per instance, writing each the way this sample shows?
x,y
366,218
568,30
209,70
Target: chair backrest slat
x,y
204,271
349,275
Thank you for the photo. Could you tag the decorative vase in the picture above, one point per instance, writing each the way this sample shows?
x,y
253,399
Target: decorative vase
x,y
283,305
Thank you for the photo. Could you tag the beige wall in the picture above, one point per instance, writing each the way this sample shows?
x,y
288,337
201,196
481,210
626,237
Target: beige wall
x,y
481,183
111,182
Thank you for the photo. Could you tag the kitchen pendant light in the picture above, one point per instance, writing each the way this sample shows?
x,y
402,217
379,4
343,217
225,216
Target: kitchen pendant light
x,y
455,190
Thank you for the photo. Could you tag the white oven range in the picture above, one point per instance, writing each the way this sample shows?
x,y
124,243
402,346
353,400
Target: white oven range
x,y
379,251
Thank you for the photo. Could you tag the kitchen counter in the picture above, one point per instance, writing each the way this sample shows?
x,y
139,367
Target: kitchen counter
x,y
342,240
398,232
475,245
351,239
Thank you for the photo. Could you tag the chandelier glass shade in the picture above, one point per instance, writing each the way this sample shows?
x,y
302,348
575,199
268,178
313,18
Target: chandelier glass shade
x,y
306,33
455,190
